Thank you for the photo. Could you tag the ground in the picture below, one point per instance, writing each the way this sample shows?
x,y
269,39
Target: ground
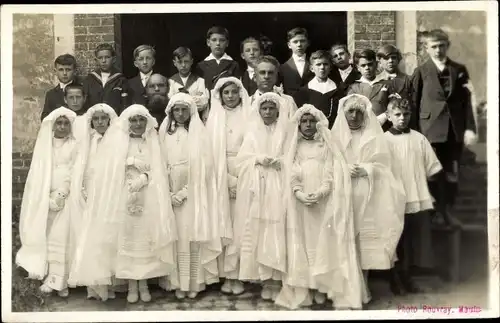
x,y
472,290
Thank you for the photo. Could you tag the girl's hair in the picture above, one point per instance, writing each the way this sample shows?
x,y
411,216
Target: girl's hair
x,y
398,102
172,125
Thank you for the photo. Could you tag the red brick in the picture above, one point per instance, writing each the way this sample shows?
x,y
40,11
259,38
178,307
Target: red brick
x,y
81,46
107,22
88,38
388,36
380,28
80,30
27,163
16,156
108,37
100,30
17,163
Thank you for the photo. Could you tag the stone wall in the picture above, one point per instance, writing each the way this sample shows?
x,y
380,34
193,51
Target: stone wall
x,y
370,29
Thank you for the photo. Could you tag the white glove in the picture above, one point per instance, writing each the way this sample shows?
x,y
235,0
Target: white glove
x,y
138,183
470,138
382,118
57,200
182,194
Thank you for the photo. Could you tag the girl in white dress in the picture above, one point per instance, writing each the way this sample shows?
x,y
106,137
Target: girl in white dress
x,y
259,224
45,217
191,177
91,129
378,198
131,230
320,229
230,108
413,162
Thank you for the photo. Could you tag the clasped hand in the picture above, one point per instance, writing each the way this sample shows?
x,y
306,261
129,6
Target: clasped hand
x,y
308,199
357,171
269,162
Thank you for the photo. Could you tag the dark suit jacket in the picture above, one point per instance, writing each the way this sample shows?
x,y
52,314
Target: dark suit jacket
x,y
248,84
328,103
433,111
115,92
137,92
353,76
290,78
211,71
378,94
401,84
54,99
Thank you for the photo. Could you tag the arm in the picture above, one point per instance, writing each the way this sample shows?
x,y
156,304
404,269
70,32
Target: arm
x,y
237,71
470,119
201,96
46,106
126,95
431,162
296,178
415,97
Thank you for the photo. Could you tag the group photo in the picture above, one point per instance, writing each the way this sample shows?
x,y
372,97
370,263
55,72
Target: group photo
x,y
329,160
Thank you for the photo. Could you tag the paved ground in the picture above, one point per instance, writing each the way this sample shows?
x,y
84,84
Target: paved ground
x,y
471,291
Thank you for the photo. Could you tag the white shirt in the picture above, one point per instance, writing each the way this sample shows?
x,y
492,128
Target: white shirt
x,y
184,79
322,87
440,64
225,56
145,77
300,62
251,72
345,73
63,85
104,77
378,78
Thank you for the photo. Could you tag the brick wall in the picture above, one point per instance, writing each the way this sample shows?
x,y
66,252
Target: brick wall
x,y
373,29
20,166
92,30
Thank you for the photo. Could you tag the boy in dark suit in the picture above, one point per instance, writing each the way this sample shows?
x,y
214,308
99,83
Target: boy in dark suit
x,y
251,50
144,60
295,73
389,58
443,114
74,97
106,84
218,64
376,88
65,66
344,73
321,91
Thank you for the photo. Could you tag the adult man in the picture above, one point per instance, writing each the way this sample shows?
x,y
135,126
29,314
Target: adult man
x,y
157,96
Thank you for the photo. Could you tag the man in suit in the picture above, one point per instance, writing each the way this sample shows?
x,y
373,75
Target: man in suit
x,y
296,73
343,73
65,66
443,113
156,98
144,60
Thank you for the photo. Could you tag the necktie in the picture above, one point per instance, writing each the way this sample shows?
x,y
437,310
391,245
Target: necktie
x,y
391,76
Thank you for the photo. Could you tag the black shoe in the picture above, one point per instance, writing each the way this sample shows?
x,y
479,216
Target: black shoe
x,y
409,284
397,287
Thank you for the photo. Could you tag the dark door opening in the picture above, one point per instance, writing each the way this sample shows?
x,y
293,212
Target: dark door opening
x,y
168,31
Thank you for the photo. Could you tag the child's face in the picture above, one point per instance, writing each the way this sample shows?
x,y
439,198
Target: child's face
x,y
74,99
218,44
354,116
251,52
138,125
298,45
105,60
266,76
183,65
145,61
390,63
100,122
321,68
62,127
180,113
399,118
341,58
65,73
367,68
269,112
231,96
437,49
307,125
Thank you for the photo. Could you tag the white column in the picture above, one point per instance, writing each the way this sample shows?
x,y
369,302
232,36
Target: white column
x,y
64,34
406,39
351,34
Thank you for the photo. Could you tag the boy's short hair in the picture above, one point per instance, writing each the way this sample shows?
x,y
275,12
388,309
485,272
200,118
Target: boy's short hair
x,y
367,54
320,54
437,34
268,59
74,86
142,48
296,31
339,46
397,102
250,40
65,59
218,30
181,52
387,50
102,47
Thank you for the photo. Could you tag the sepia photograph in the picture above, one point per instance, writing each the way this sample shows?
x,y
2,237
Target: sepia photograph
x,y
251,161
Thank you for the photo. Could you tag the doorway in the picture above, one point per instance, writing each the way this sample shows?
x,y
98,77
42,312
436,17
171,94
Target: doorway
x,y
168,31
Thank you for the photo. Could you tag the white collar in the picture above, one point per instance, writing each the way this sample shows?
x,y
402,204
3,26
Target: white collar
x,y
296,58
185,78
105,73
144,76
250,69
63,85
378,78
348,70
440,64
212,57
322,87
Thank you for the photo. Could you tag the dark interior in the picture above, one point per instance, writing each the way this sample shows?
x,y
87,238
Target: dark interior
x,y
168,31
